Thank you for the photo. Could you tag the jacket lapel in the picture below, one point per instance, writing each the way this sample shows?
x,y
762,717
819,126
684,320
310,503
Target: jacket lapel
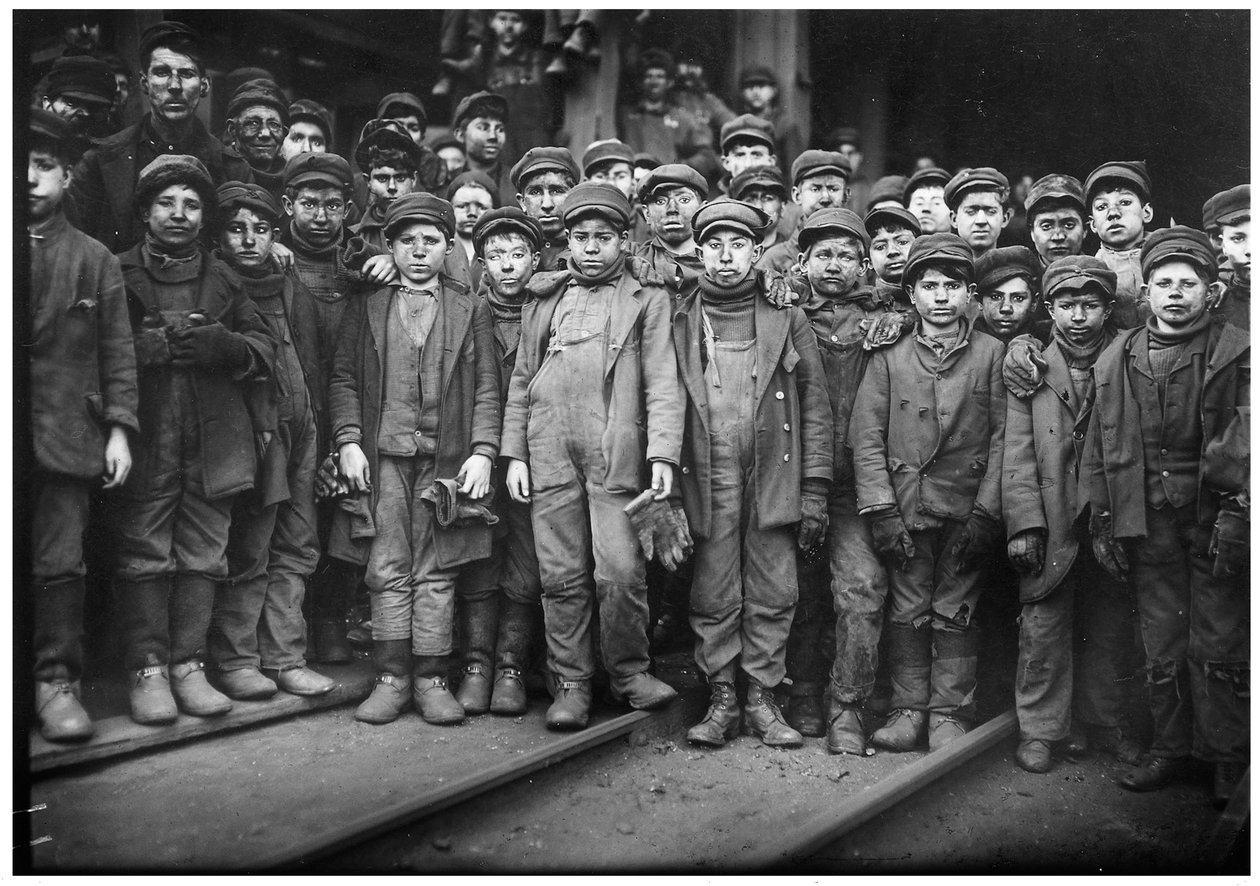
x,y
456,318
772,330
625,311
687,346
1059,380
377,313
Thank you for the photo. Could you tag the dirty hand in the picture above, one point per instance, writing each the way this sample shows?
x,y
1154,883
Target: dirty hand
x,y
777,289
354,465
380,269
517,480
152,347
885,329
1023,368
1230,548
813,521
328,482
282,256
262,439
645,272
1027,551
979,534
892,538
117,458
208,347
662,479
1107,551
476,476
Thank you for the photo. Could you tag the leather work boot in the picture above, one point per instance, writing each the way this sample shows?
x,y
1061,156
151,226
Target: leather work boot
x,y
516,625
1033,755
721,720
301,680
61,716
944,728
845,733
508,697
391,693
429,692
474,690
571,709
478,629
151,701
1153,774
764,720
244,684
193,694
805,710
643,692
1112,740
1225,780
903,731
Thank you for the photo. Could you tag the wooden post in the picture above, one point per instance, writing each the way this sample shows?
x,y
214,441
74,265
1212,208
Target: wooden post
x,y
590,102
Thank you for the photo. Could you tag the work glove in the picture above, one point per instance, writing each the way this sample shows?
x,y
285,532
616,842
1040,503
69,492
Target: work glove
x,y
674,545
1107,551
813,521
980,533
152,348
1023,368
885,329
208,344
892,538
1230,548
1027,551
776,288
662,529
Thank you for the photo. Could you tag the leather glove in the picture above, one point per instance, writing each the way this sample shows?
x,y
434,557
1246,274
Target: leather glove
x,y
1230,548
813,521
777,288
645,272
1027,551
980,533
1107,551
152,347
208,345
673,542
885,329
1023,368
892,538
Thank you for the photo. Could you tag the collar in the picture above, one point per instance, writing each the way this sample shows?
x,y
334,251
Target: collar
x,y
49,227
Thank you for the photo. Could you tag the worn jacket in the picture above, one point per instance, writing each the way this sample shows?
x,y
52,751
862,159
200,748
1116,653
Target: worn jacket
x,y
83,364
227,412
793,419
927,431
642,395
468,422
1118,480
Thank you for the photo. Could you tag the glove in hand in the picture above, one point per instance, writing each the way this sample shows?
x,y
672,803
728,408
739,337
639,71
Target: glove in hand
x,y
209,346
813,522
1107,551
1230,548
979,535
1027,551
885,329
892,538
1023,368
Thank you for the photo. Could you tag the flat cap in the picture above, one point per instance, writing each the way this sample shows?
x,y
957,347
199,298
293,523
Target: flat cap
x,y
1178,242
171,34
506,220
1055,186
419,206
404,100
889,188
598,198
642,159
330,170
480,104
672,175
835,220
83,77
473,177
997,266
757,74
1076,272
48,125
727,213
981,177
236,195
1227,207
882,216
604,151
174,169
1132,172
935,177
253,93
384,134
937,248
814,162
544,159
306,109
845,135
758,177
238,76
747,127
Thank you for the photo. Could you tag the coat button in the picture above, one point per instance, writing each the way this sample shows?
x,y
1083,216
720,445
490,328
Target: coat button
x,y
686,470
786,426
835,338
1165,473
778,395
1163,452
1078,435
787,457
418,434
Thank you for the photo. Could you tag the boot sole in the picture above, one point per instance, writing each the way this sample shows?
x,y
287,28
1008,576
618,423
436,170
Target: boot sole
x,y
72,736
442,721
856,752
566,725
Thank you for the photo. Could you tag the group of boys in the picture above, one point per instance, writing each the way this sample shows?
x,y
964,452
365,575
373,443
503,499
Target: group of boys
x,y
490,400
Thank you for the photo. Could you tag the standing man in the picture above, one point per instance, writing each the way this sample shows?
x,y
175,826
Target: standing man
x,y
258,118
759,95
660,127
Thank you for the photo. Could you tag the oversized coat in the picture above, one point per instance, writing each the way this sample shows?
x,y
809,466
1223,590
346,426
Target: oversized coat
x,y
793,419
468,421
642,396
1118,479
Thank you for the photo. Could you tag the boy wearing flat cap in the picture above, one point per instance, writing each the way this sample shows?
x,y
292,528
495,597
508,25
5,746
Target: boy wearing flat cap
x,y
472,195
759,95
498,598
978,210
613,161
594,416
204,356
846,588
1076,625
480,123
310,129
927,454
80,90
747,142
751,498
1005,283
1171,397
257,632
669,198
764,188
1229,215
83,405
925,198
1118,196
1055,207
414,398
541,180
819,181
407,111
891,230
390,163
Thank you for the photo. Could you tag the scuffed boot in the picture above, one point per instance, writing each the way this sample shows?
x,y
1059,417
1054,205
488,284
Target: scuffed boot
x,y
903,731
1112,740
193,693
61,716
571,709
508,697
721,720
59,661
392,692
805,709
944,728
764,720
954,662
478,627
245,684
846,733
1033,755
191,605
430,694
151,701
643,692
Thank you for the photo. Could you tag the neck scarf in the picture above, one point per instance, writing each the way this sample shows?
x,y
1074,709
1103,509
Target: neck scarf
x,y
1161,339
611,274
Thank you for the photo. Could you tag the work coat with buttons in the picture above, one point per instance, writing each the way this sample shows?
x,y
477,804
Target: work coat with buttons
x,y
793,419
1045,471
927,431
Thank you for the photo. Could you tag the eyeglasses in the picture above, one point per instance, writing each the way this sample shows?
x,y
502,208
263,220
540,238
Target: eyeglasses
x,y
251,126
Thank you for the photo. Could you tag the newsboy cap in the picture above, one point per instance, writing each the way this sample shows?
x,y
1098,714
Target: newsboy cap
x,y
604,151
1075,272
82,77
747,127
1055,186
814,162
506,220
882,216
480,104
46,124
835,220
672,175
997,266
597,198
727,213
306,109
758,177
845,135
477,178
934,177
423,207
757,74
235,195
173,35
544,159
889,188
404,100
1132,172
1178,242
980,178
384,134
1227,207
331,170
174,169
253,93
938,248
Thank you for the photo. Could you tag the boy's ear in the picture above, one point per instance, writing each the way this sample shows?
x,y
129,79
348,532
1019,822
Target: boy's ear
x,y
1144,293
537,257
625,239
1216,295
971,291
1148,213
458,134
953,220
205,87
1007,214
756,253
287,204
796,194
